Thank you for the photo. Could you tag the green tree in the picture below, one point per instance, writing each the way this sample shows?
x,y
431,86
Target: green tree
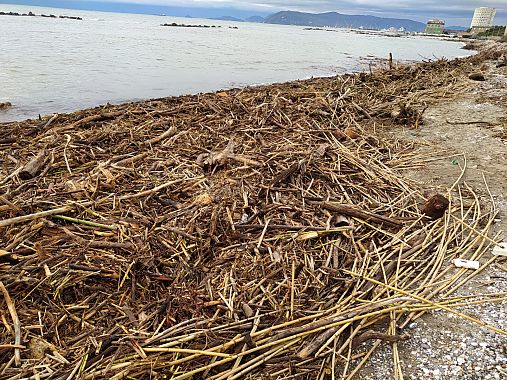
x,y
494,31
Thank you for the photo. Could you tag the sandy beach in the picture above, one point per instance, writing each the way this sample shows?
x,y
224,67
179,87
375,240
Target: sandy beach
x,y
281,231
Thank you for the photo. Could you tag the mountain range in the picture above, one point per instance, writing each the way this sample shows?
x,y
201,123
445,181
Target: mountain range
x,y
334,19
236,19
329,19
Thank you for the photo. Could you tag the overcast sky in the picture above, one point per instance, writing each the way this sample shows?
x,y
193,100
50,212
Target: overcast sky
x,y
453,12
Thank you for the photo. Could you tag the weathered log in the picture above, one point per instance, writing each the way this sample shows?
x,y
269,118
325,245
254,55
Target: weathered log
x,y
33,167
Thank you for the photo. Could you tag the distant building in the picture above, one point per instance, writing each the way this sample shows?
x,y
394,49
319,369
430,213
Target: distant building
x,y
435,27
483,19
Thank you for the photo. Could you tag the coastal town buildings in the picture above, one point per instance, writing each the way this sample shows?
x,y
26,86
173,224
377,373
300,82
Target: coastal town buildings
x,y
483,19
435,27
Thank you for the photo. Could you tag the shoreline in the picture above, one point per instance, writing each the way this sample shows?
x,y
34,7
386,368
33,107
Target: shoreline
x,y
244,232
372,62
30,98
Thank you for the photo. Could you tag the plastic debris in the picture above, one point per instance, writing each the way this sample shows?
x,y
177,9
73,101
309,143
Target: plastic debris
x,y
469,264
5,105
500,249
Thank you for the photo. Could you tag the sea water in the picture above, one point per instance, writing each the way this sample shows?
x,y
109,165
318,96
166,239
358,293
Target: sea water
x,y
50,65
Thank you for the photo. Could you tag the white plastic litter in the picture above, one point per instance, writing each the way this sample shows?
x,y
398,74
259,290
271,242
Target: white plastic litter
x,y
469,264
500,249
244,218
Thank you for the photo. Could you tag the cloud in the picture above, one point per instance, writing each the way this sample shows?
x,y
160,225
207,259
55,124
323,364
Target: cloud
x,y
453,12
449,10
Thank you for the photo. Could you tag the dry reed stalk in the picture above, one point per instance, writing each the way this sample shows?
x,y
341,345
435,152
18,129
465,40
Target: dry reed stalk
x,y
17,325
264,232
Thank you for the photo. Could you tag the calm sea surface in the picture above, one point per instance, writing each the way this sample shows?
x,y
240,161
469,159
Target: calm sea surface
x,y
58,65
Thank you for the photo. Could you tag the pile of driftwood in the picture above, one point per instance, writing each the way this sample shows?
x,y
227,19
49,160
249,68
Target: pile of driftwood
x,y
255,233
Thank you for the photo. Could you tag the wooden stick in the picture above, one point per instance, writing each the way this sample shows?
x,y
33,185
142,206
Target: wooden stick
x,y
130,160
285,174
17,324
170,132
360,214
155,189
286,227
370,334
12,205
85,222
186,351
9,346
41,214
33,167
92,118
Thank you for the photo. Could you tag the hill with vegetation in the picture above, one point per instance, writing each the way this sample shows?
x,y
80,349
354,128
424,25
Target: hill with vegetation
x,y
334,19
494,31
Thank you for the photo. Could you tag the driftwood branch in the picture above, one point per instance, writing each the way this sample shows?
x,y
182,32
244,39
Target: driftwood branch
x,y
130,160
92,118
100,244
170,132
360,214
37,215
282,227
370,334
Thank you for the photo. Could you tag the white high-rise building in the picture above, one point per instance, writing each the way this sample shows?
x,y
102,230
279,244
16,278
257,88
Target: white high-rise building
x,y
483,18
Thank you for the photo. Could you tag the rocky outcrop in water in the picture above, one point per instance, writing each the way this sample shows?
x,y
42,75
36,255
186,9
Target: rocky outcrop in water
x,y
4,106
31,14
173,24
191,25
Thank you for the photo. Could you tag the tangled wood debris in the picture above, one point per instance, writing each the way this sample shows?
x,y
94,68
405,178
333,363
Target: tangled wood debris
x,y
261,233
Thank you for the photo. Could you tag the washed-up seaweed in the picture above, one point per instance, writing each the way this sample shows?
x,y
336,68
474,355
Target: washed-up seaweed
x,y
252,233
